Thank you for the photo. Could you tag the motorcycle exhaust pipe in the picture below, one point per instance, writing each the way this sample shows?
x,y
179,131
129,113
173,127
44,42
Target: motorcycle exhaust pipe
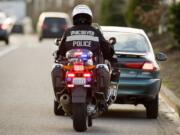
x,y
65,103
112,94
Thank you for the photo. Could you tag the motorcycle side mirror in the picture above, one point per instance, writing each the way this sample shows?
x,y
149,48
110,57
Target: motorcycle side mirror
x,y
112,41
57,41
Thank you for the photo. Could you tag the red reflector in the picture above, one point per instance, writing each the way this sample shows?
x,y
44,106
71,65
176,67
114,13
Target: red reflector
x,y
134,65
44,26
148,66
87,75
70,75
70,85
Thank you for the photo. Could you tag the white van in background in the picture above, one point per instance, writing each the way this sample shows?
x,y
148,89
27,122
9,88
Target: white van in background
x,y
52,24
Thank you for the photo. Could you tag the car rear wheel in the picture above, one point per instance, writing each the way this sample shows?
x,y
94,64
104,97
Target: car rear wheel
x,y
152,108
58,111
7,41
40,39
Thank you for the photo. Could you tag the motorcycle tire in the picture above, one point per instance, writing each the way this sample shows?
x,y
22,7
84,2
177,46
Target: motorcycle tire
x,y
79,111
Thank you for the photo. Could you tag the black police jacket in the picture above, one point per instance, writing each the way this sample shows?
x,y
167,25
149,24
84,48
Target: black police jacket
x,y
85,37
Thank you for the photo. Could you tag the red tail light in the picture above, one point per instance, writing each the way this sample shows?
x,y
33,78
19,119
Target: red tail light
x,y
3,26
70,75
134,65
87,75
44,26
148,66
70,85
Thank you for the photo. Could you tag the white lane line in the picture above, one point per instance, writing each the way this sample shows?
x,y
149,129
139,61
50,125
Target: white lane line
x,y
7,50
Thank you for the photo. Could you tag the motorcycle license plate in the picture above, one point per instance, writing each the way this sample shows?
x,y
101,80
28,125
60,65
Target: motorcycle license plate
x,y
79,81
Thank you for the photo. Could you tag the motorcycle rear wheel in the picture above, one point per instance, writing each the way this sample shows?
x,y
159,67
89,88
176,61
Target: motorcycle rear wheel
x,y
79,111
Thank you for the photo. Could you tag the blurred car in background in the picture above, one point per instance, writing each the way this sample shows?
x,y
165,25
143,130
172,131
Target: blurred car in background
x,y
6,25
140,81
52,24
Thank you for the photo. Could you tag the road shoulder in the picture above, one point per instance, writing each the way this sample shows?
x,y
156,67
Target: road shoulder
x,y
171,99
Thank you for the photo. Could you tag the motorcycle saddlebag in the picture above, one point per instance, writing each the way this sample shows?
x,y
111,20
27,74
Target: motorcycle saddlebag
x,y
57,75
103,79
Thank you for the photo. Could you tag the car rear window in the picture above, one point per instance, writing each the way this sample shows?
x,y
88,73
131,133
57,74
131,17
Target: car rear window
x,y
128,42
57,21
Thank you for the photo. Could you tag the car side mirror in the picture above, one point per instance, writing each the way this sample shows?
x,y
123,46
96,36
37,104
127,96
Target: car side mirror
x,y
57,41
161,56
112,41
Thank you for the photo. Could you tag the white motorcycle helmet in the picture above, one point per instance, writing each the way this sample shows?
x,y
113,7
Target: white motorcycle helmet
x,y
82,14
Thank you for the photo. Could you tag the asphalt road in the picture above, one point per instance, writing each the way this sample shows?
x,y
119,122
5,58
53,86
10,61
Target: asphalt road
x,y
26,98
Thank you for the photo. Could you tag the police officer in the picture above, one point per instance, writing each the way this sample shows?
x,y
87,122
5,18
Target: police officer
x,y
83,36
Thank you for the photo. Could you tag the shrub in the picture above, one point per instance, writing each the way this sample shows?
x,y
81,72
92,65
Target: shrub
x,y
174,23
112,12
145,14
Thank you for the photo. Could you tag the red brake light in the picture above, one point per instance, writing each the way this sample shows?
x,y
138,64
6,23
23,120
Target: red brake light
x,y
134,65
148,66
87,75
70,75
70,85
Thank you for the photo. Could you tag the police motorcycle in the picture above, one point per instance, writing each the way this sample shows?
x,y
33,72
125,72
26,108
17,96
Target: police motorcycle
x,y
81,99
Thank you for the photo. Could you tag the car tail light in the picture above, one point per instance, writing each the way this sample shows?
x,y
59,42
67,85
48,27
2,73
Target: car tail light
x,y
134,65
4,26
148,66
70,75
44,26
78,67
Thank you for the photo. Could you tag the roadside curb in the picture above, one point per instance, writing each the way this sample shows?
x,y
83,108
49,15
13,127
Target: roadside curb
x,y
171,99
